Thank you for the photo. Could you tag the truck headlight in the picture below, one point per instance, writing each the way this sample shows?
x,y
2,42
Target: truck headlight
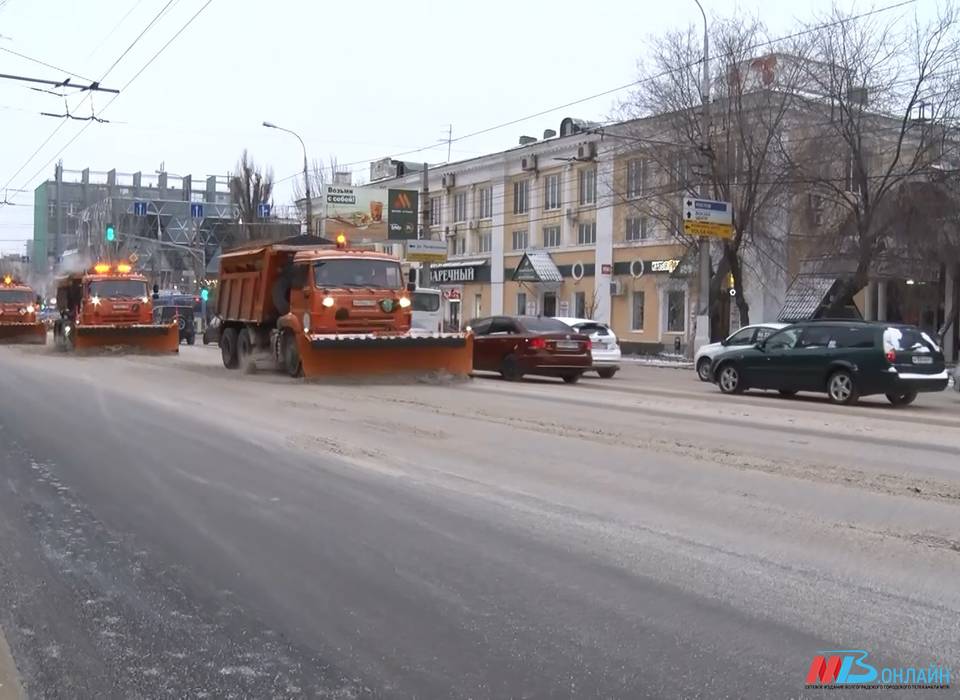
x,y
329,301
95,300
404,302
31,309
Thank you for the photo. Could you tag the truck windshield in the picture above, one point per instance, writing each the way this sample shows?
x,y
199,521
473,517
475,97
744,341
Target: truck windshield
x,y
15,296
357,272
118,289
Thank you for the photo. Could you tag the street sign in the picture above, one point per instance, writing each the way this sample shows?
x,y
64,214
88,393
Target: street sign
x,y
707,217
263,210
423,250
606,269
139,208
196,210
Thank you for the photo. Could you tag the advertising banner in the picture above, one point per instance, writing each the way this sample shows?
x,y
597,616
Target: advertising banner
x,y
369,213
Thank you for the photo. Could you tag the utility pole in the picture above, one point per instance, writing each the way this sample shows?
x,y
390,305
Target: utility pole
x,y
449,140
423,279
702,336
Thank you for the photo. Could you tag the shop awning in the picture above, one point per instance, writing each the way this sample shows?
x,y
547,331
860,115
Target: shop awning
x,y
808,298
537,266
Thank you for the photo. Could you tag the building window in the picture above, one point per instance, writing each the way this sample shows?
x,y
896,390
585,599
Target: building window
x,y
549,304
580,305
477,305
676,311
587,233
636,321
51,210
486,202
458,245
551,236
588,186
636,178
521,240
551,192
521,191
485,242
521,303
460,206
436,211
637,228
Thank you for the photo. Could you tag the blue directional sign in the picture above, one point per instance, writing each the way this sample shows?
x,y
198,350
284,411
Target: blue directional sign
x,y
139,208
263,210
196,210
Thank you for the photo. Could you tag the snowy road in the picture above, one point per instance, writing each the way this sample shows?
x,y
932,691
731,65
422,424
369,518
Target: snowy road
x,y
168,528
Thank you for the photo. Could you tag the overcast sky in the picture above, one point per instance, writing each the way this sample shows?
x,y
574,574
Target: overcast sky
x,y
359,80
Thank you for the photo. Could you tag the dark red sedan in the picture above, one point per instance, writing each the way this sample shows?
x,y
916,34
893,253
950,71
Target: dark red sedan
x,y
519,345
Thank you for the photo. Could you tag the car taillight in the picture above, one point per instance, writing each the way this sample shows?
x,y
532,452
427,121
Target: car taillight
x,y
891,356
537,344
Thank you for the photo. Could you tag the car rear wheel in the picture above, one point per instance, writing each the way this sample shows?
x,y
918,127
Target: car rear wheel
x,y
902,399
228,348
729,380
571,378
607,372
842,389
703,369
510,369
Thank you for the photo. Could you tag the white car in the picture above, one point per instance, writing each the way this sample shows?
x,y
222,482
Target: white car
x,y
603,344
748,335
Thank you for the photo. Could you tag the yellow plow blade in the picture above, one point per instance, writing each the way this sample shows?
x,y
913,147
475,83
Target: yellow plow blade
x,y
358,356
144,338
23,333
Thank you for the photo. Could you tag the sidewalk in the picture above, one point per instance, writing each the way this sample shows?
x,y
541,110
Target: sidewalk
x,y
664,360
9,685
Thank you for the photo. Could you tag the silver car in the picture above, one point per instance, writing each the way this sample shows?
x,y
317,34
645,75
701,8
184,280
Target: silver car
x,y
603,344
748,335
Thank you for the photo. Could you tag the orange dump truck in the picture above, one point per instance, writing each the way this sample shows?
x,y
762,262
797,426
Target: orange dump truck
x,y
18,314
326,310
109,306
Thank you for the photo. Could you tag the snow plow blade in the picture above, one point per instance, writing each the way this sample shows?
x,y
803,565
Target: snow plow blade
x,y
370,355
23,333
143,338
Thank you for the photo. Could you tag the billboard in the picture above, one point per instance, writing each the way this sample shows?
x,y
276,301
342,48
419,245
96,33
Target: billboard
x,y
369,213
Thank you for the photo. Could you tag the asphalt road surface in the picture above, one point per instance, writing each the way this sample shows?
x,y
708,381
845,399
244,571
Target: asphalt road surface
x,y
172,529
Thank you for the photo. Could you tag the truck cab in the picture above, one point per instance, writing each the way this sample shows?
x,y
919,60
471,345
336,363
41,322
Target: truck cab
x,y
343,291
18,313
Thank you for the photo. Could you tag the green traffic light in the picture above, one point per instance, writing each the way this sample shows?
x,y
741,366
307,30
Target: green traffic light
x,y
204,294
111,234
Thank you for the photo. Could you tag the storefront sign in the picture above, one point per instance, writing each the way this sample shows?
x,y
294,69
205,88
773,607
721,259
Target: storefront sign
x,y
663,265
452,294
445,275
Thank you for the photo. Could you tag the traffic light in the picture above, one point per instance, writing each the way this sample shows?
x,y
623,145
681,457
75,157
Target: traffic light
x,y
110,233
204,294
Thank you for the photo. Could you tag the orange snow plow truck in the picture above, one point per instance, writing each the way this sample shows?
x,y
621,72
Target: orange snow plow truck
x,y
109,306
18,314
319,309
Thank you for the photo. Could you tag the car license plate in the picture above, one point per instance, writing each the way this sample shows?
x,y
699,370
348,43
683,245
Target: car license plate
x,y
922,360
597,344
567,345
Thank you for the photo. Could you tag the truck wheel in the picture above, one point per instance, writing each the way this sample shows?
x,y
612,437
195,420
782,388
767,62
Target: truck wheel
x,y
228,347
290,354
245,349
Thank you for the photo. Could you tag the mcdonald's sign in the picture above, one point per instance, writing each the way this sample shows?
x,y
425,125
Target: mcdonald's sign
x,y
402,214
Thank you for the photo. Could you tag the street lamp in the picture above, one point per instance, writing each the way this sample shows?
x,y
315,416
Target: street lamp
x,y
703,307
306,174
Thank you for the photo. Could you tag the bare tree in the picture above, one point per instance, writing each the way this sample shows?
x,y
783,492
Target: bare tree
x,y
250,186
730,155
877,116
320,174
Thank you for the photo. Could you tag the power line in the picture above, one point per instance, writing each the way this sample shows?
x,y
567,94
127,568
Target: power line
x,y
635,83
46,65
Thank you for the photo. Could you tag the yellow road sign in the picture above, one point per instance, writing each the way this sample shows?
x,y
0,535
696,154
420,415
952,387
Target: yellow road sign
x,y
706,228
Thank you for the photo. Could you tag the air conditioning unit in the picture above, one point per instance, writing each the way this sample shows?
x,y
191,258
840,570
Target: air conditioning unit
x,y
587,151
616,287
529,163
448,181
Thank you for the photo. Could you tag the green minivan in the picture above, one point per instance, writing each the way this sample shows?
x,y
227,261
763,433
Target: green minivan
x,y
844,359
